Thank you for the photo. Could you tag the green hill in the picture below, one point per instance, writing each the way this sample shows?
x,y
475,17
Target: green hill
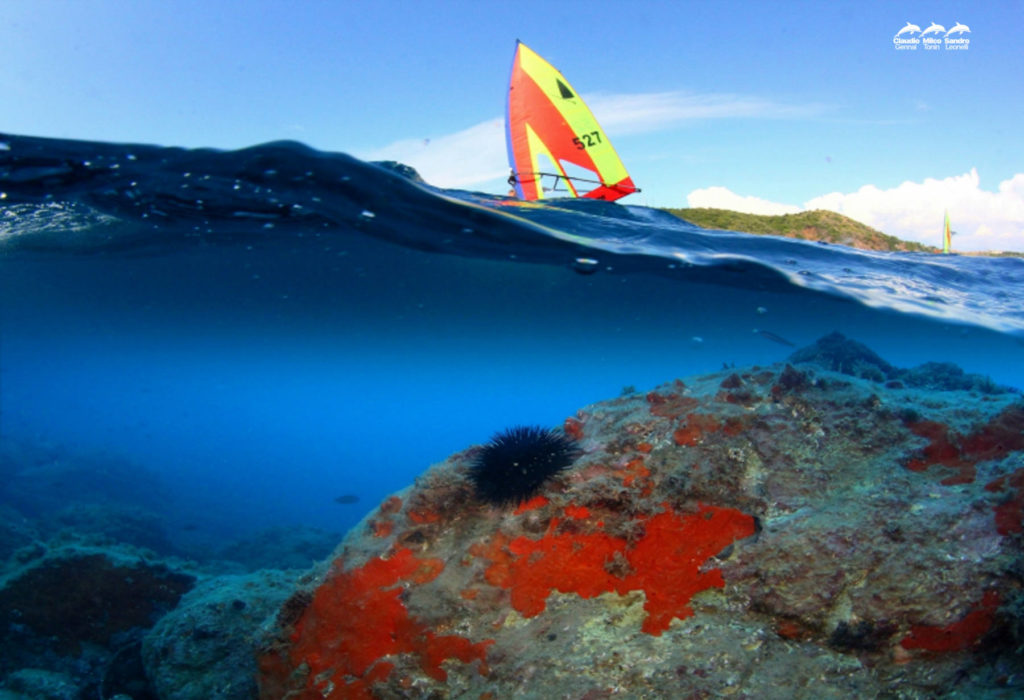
x,y
817,225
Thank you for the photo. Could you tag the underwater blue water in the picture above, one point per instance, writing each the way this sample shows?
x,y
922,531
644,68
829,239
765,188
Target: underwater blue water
x,y
265,330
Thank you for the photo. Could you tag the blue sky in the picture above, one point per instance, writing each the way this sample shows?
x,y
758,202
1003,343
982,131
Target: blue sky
x,y
767,107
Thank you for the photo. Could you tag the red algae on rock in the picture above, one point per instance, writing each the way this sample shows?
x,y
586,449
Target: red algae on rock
x,y
672,404
668,560
634,472
957,636
694,427
573,428
577,512
532,504
665,563
746,533
1009,513
1002,434
357,618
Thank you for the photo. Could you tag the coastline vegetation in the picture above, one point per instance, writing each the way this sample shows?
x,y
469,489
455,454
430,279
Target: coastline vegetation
x,y
816,225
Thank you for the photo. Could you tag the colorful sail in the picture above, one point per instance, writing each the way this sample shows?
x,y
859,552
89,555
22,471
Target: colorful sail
x,y
947,236
554,142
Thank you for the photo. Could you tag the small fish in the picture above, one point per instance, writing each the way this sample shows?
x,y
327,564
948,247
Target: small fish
x,y
346,499
777,338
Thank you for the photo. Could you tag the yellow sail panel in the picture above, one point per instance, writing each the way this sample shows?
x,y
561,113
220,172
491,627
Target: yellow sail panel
x,y
546,115
587,133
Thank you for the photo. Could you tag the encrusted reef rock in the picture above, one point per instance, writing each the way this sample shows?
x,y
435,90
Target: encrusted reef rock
x,y
72,613
285,547
838,353
774,532
62,599
39,684
205,649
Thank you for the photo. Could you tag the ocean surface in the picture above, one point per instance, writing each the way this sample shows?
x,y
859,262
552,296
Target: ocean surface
x,y
239,340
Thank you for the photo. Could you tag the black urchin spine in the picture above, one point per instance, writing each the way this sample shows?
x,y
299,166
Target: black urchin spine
x,y
514,465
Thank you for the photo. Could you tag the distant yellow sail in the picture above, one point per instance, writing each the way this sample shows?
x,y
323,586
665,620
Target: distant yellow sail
x,y
947,236
547,122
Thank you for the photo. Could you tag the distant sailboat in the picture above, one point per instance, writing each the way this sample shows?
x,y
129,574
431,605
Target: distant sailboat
x,y
553,139
947,236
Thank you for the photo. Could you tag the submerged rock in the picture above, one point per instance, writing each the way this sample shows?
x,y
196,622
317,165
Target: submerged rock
x,y
40,684
284,547
206,648
72,614
130,525
945,376
16,531
753,532
42,481
75,595
837,353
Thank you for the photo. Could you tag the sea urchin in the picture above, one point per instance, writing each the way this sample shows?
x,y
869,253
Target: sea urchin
x,y
512,467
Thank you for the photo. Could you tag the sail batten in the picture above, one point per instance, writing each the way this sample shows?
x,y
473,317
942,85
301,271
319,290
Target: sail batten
x,y
546,118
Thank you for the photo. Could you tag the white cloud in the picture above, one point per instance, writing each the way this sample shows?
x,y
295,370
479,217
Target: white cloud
x,y
982,220
723,198
469,157
476,155
632,113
